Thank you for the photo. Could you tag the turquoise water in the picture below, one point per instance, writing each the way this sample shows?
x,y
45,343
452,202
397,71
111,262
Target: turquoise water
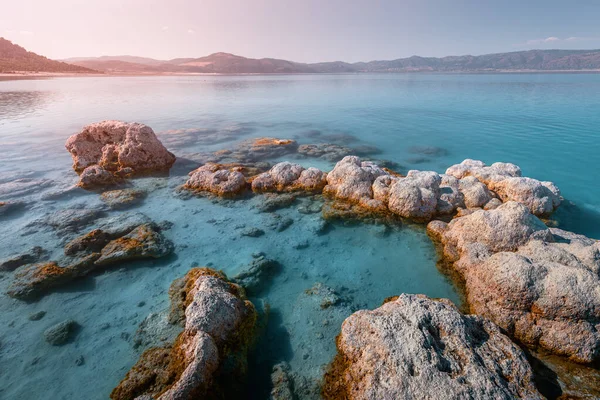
x,y
548,124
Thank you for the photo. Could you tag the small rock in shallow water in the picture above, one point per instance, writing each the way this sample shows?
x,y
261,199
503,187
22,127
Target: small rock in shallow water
x,y
254,277
37,316
252,232
61,333
122,198
35,254
79,361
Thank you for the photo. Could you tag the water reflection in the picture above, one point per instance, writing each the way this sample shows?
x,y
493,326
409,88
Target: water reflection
x,y
15,105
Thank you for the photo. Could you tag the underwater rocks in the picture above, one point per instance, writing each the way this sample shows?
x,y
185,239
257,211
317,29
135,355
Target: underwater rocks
x,y
416,347
255,276
33,255
123,198
94,250
326,151
60,333
539,284
116,149
210,355
252,151
8,208
274,201
218,180
289,177
506,181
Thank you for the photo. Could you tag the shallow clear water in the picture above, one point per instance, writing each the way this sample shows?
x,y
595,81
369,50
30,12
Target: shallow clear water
x,y
548,124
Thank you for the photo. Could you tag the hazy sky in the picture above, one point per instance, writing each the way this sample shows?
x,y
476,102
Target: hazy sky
x,y
299,30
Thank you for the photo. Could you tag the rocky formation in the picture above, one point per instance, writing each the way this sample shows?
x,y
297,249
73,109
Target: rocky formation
x,y
417,348
539,284
326,151
95,176
252,151
91,251
506,181
289,177
61,333
35,254
255,276
118,149
209,357
122,198
217,179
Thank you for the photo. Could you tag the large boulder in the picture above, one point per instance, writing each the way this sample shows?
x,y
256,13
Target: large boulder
x,y
417,348
351,180
542,198
415,196
539,284
209,356
119,147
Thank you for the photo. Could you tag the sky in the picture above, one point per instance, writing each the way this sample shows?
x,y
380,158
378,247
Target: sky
x,y
298,30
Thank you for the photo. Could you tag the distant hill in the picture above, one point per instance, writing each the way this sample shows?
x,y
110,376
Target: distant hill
x,y
14,58
223,63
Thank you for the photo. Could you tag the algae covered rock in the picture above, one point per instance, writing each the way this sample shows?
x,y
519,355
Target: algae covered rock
x,y
417,348
210,356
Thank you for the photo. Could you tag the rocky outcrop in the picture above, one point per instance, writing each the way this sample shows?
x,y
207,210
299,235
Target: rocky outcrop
x,y
33,255
117,149
417,348
209,358
539,284
352,180
89,252
289,177
506,181
217,179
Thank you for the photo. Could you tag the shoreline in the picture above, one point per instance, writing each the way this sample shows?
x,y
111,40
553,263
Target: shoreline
x,y
137,74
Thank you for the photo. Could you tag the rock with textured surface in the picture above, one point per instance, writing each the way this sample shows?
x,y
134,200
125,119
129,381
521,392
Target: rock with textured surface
x,y
450,197
33,255
418,348
123,198
538,284
116,145
415,196
542,198
475,193
351,180
289,177
256,275
216,179
95,177
60,333
210,355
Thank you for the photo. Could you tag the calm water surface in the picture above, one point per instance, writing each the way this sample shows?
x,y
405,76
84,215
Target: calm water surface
x,y
548,124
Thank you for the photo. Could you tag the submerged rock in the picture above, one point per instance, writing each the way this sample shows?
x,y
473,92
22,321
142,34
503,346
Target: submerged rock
x,y
255,276
60,333
94,177
8,208
538,284
274,201
116,146
209,356
123,198
94,250
34,255
416,347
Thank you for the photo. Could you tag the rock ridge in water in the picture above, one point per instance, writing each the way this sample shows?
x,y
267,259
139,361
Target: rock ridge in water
x,y
539,284
209,357
105,152
414,347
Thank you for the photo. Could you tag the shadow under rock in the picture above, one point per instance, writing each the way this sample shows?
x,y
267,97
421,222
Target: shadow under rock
x,y
272,348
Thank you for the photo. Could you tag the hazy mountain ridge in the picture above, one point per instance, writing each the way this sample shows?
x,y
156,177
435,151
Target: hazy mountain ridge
x,y
530,60
15,58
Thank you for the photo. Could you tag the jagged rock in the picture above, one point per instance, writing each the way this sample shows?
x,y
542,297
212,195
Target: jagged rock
x,y
415,196
253,277
209,356
34,255
289,177
60,333
122,198
213,178
538,284
415,347
95,176
117,147
142,242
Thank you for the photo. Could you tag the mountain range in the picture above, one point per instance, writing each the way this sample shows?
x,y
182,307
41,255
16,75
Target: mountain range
x,y
14,58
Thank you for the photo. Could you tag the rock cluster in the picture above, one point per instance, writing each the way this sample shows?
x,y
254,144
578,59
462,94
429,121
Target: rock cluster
x,y
414,347
289,177
217,179
107,151
539,284
96,249
209,356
